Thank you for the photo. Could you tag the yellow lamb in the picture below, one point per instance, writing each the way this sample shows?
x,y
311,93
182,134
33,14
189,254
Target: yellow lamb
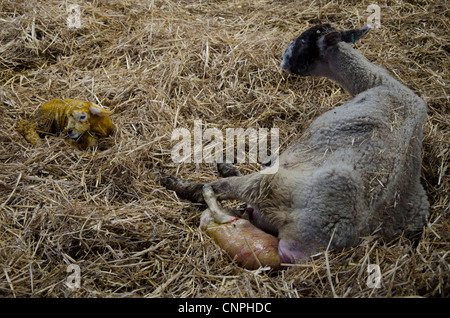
x,y
82,122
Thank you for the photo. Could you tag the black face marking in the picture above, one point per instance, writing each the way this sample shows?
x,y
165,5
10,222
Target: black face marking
x,y
301,55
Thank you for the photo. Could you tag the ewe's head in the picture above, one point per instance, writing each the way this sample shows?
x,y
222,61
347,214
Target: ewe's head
x,y
81,117
304,54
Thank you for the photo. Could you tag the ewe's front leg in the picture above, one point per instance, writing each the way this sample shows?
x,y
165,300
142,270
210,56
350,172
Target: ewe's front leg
x,y
226,189
188,190
227,170
249,246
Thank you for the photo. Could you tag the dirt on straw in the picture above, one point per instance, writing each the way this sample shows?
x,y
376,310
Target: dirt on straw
x,y
160,65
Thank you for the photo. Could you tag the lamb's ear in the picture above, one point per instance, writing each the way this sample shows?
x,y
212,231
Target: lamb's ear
x,y
354,35
99,111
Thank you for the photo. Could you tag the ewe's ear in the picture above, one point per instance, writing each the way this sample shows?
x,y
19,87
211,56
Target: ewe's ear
x,y
331,39
328,40
354,35
99,111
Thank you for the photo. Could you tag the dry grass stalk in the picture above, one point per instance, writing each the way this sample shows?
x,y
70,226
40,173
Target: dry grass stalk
x,y
160,65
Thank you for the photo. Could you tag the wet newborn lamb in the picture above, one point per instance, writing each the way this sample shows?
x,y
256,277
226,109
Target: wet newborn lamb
x,y
356,169
82,122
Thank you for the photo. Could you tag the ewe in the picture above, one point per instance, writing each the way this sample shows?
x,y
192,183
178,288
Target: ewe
x,y
355,170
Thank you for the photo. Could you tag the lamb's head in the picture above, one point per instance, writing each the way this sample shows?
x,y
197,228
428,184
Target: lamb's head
x,y
86,116
307,55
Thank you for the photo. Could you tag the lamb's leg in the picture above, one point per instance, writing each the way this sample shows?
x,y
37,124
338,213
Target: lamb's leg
x,y
86,141
28,131
215,213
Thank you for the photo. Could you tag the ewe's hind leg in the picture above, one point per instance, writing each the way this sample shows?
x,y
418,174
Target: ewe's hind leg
x,y
336,205
420,211
333,204
227,170
409,211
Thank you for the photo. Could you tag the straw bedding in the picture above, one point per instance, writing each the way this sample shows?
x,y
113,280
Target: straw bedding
x,y
160,65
